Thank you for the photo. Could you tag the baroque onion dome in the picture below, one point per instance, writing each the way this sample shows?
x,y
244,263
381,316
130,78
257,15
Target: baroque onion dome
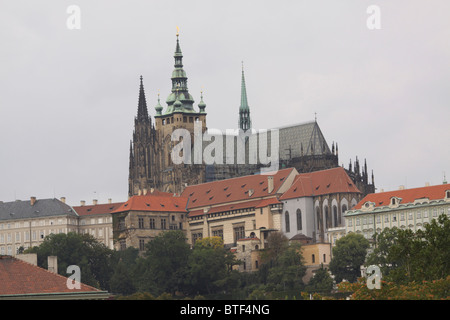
x,y
180,91
158,107
201,104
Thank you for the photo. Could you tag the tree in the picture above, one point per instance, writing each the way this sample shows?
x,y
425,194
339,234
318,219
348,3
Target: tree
x,y
405,256
165,264
124,277
321,281
82,250
380,254
282,263
207,265
349,255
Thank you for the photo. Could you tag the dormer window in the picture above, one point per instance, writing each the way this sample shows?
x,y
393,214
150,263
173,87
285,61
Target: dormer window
x,y
395,201
447,194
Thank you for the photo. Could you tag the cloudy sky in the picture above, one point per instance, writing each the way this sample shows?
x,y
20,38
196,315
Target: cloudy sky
x,y
68,97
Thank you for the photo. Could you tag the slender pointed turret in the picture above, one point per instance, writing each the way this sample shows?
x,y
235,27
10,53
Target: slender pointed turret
x,y
244,109
142,114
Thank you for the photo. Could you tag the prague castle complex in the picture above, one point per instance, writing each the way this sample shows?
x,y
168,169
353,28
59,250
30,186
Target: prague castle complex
x,y
301,146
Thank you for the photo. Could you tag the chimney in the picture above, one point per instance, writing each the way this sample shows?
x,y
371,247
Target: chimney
x,y
269,184
427,184
402,187
109,200
151,190
82,202
251,192
145,191
139,192
94,202
32,200
52,262
28,257
63,199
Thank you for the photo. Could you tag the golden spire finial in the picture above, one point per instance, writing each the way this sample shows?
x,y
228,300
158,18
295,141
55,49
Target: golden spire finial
x,y
178,31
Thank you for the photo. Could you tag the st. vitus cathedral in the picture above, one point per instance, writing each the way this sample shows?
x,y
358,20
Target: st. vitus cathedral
x,y
301,146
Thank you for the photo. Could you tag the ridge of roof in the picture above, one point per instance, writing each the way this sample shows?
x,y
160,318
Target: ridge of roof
x,y
235,189
382,199
151,202
333,180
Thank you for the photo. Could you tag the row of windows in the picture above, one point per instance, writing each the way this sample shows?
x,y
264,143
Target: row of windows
x,y
18,237
185,119
35,223
162,224
394,217
287,222
95,220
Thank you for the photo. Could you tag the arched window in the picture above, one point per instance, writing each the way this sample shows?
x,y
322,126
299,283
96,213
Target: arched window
x,y
299,219
319,220
327,218
344,208
286,220
335,216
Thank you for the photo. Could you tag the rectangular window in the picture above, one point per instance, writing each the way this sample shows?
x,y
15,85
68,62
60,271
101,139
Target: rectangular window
x,y
141,222
239,233
163,224
141,244
218,233
196,236
152,223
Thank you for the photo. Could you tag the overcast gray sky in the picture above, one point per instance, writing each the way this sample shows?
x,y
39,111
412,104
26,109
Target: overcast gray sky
x,y
68,97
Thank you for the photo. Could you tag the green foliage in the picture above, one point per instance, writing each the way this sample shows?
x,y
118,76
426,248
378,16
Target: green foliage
x,y
405,256
348,256
164,267
424,290
210,266
82,250
321,282
282,264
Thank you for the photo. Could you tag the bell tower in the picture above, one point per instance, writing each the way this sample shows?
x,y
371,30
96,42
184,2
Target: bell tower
x,y
179,114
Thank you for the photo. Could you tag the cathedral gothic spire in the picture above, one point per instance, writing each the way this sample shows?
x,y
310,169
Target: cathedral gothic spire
x,y
142,114
142,151
244,110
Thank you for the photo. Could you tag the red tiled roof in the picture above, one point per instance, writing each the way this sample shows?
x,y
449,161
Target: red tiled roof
x,y
97,209
381,199
235,206
334,180
18,277
235,189
151,202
